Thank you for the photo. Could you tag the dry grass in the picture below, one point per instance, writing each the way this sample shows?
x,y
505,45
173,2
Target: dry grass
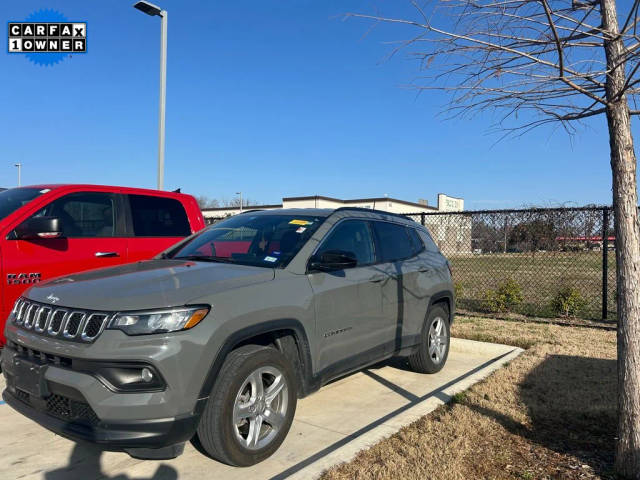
x,y
549,414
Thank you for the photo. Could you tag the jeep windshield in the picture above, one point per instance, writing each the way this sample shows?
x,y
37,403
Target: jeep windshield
x,y
263,240
15,198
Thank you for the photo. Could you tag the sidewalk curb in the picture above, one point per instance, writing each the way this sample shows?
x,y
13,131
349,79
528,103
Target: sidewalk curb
x,y
356,443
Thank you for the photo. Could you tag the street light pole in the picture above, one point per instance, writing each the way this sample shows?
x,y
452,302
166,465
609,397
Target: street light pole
x,y
163,97
19,165
154,10
240,193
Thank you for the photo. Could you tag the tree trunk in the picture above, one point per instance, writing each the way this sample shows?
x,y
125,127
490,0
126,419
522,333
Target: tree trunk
x,y
625,203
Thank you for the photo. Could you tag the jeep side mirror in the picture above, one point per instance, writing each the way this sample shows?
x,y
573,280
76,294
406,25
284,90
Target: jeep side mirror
x,y
39,228
332,260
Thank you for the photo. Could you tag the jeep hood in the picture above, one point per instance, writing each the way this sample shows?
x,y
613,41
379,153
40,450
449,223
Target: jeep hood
x,y
144,285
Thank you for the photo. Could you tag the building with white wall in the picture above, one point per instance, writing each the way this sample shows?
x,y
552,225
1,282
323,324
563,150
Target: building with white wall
x,y
452,232
387,204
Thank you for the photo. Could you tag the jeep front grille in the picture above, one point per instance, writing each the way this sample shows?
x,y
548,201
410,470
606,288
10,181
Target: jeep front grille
x,y
65,323
41,320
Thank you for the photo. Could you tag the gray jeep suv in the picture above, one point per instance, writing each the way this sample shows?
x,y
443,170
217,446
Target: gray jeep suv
x,y
215,339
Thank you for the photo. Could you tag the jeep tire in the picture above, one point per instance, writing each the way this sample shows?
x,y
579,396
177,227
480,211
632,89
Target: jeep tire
x,y
250,408
433,350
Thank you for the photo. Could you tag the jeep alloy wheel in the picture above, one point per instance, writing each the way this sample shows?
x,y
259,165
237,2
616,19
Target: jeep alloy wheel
x,y
250,408
260,408
433,350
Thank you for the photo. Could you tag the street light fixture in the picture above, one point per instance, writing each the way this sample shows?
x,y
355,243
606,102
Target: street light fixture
x,y
148,8
155,11
19,165
240,193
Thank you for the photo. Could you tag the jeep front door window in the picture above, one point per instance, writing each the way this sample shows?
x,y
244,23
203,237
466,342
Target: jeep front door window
x,y
351,236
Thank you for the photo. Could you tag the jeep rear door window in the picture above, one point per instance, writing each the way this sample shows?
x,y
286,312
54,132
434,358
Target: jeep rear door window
x,y
353,236
158,217
393,242
263,240
428,241
15,198
416,241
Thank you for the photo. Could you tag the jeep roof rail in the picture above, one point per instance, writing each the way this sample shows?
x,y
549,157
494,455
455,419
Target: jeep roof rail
x,y
252,210
372,210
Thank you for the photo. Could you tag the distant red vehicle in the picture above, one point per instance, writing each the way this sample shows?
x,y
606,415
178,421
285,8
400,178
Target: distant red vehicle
x,y
52,230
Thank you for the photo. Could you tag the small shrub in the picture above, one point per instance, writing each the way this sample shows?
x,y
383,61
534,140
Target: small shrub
x,y
459,397
568,302
503,299
490,301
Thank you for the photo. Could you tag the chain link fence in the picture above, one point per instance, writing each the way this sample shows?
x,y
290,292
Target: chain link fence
x,y
546,262
551,262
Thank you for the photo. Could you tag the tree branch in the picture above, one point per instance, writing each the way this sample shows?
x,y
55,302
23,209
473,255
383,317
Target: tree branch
x,y
541,58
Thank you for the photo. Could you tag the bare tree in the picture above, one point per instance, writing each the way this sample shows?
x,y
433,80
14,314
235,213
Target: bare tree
x,y
534,62
206,202
235,202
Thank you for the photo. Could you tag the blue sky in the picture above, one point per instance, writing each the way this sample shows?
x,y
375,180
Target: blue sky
x,y
272,98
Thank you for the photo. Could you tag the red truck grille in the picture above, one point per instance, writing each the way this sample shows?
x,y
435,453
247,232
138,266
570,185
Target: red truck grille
x,y
61,322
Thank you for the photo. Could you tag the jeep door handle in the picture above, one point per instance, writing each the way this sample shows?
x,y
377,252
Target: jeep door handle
x,y
107,254
424,269
377,278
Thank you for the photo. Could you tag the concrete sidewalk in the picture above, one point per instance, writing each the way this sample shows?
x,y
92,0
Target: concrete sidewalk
x,y
330,427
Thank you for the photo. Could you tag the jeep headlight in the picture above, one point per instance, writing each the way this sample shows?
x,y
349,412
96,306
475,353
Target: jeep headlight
x,y
158,321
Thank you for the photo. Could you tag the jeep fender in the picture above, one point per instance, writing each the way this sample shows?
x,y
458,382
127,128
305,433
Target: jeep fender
x,y
304,367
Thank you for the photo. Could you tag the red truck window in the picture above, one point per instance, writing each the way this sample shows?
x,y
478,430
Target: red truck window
x,y
15,198
158,217
84,215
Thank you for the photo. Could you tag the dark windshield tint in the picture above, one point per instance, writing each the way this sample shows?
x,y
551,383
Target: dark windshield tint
x,y
252,239
14,198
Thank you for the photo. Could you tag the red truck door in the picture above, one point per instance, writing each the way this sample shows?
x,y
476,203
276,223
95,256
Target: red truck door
x,y
92,238
102,227
155,223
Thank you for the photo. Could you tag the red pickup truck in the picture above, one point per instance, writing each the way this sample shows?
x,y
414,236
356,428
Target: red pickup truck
x,y
52,230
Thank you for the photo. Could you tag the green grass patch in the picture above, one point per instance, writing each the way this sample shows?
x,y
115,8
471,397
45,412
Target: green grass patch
x,y
459,397
550,283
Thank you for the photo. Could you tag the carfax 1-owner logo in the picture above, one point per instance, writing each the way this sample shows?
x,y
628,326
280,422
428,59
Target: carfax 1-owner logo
x,y
47,37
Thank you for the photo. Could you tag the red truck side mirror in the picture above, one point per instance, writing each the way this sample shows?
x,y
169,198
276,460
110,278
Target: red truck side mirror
x,y
39,228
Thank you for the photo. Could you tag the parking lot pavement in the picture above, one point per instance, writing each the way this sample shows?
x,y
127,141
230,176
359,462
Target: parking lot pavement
x,y
330,427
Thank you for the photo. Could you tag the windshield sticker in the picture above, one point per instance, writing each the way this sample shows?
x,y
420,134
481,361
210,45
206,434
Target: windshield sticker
x,y
300,222
301,229
270,259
